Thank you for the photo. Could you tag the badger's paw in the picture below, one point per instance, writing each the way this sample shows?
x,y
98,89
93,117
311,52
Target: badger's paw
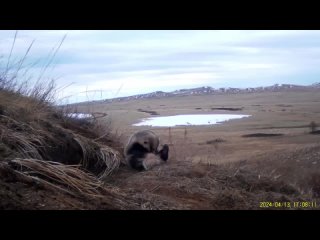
x,y
164,152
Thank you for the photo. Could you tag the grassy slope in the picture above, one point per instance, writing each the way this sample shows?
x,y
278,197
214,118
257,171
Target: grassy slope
x,y
39,145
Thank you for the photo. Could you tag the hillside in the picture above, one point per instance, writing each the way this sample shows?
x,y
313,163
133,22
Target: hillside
x,y
209,91
50,160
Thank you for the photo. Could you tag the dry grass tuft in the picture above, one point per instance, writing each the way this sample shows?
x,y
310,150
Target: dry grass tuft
x,y
71,177
101,159
62,181
45,133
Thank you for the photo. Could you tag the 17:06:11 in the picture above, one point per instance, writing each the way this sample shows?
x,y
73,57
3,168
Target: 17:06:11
x,y
305,204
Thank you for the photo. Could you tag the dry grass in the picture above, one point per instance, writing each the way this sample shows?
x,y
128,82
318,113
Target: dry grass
x,y
44,146
33,128
183,185
171,145
56,183
39,142
71,177
298,167
106,159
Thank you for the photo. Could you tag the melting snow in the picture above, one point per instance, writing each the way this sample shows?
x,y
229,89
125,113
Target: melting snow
x,y
79,115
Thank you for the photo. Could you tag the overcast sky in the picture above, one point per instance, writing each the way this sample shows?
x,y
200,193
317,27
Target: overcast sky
x,y
107,64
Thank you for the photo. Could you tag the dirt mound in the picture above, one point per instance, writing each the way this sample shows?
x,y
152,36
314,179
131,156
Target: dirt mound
x,y
19,190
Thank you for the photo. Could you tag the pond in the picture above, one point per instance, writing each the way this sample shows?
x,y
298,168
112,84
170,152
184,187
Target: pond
x,y
188,120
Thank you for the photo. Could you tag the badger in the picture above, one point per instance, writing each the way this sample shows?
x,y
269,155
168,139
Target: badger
x,y
140,144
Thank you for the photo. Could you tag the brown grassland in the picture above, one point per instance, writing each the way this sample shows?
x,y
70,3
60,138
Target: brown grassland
x,y
268,157
50,161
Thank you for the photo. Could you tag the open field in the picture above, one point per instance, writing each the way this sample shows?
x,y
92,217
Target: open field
x,y
268,158
287,114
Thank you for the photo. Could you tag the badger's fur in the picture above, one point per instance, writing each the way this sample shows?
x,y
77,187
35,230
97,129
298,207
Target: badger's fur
x,y
139,145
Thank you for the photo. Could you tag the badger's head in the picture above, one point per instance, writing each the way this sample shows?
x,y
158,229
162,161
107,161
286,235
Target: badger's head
x,y
138,150
146,143
135,155
147,139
